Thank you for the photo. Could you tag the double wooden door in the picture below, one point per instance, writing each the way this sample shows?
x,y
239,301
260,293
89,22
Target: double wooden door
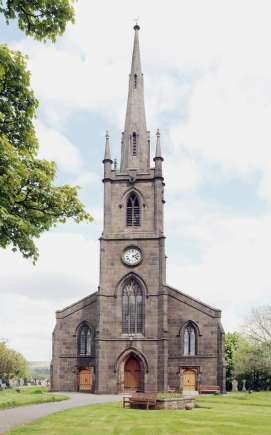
x,y
85,379
189,380
132,374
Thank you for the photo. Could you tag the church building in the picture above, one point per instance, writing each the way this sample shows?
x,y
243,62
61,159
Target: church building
x,y
136,332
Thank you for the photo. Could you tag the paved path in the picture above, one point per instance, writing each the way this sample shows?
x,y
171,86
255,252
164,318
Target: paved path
x,y
24,414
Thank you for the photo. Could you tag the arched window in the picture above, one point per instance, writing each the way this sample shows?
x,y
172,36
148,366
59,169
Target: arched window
x,y
85,341
133,210
132,308
135,81
190,340
134,144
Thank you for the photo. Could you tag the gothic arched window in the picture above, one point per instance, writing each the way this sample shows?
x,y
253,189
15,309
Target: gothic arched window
x,y
133,210
190,340
135,81
85,341
132,308
134,144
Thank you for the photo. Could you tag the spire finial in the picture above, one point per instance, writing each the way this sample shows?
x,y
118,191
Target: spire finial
x,y
136,26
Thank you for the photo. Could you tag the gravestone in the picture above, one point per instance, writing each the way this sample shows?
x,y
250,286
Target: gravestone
x,y
244,385
234,385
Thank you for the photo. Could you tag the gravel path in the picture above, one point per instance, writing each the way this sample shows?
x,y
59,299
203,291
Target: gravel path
x,y
24,414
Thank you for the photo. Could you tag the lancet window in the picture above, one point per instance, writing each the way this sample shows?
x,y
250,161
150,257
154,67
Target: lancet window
x,y
190,340
133,210
85,341
132,308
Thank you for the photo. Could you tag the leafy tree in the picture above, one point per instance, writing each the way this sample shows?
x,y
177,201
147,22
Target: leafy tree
x,y
41,19
30,203
12,364
231,345
252,361
258,325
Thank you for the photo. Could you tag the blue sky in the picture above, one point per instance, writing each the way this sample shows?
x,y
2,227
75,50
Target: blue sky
x,y
208,89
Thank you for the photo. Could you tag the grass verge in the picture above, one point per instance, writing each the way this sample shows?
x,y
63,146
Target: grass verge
x,y
10,398
234,414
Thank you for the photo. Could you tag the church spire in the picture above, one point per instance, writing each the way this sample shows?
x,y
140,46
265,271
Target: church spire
x,y
135,152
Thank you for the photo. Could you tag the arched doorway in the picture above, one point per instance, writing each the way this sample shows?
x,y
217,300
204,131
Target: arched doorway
x,y
132,370
85,379
132,374
189,380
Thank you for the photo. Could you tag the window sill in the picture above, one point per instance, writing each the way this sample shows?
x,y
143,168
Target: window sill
x,y
85,356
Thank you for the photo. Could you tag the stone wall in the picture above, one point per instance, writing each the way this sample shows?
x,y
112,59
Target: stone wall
x,y
174,403
210,346
65,361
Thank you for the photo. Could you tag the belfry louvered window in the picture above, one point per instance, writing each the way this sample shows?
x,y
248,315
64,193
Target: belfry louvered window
x,y
134,144
85,341
133,211
132,308
190,340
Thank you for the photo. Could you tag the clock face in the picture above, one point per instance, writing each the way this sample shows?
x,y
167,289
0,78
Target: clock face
x,y
132,256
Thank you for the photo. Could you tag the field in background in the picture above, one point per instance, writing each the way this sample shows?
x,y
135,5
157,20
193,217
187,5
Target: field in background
x,y
40,369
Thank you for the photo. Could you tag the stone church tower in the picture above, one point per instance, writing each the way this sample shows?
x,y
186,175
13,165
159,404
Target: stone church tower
x,y
136,333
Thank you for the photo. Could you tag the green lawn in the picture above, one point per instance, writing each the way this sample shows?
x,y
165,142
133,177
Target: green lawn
x,y
233,414
28,395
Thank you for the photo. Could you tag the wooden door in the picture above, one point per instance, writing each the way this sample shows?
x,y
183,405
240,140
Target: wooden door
x,y
189,380
132,374
85,379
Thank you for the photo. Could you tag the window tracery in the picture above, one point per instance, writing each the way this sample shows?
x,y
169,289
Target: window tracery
x,y
190,340
85,341
132,308
133,211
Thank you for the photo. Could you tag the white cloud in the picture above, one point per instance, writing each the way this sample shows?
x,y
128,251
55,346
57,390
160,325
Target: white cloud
x,y
87,178
56,147
182,173
66,271
27,325
231,269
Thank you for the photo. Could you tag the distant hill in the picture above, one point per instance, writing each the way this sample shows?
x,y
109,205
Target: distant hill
x,y
40,369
